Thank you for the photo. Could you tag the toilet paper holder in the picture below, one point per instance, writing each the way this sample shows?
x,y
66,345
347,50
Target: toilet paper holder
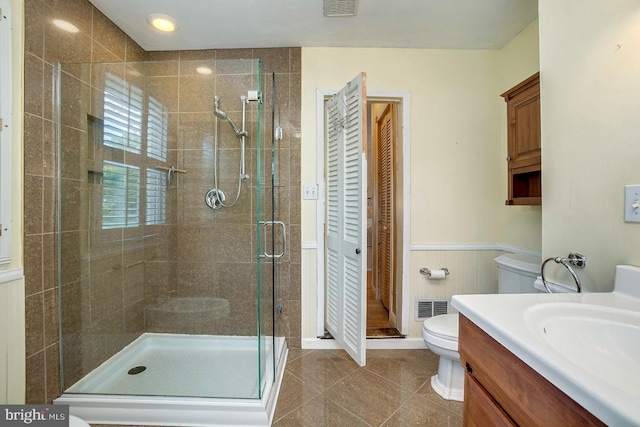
x,y
426,272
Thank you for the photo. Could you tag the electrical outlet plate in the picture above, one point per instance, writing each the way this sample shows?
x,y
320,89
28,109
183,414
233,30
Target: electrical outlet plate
x,y
632,203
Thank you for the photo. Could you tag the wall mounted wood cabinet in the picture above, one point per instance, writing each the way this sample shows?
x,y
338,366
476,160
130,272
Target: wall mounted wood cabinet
x,y
523,143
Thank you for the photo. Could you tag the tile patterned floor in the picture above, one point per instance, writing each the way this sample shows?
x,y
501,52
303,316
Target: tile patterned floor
x,y
326,388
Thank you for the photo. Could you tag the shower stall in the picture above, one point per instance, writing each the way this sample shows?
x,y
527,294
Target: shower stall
x,y
168,242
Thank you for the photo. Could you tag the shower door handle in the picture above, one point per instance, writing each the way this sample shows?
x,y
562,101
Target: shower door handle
x,y
266,224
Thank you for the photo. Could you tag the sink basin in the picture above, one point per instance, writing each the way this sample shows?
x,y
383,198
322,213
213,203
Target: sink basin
x,y
601,340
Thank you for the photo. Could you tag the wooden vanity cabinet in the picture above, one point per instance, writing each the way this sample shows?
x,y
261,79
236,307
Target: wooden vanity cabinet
x,y
523,143
502,390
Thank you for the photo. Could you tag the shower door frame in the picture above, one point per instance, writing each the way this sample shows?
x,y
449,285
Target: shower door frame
x,y
261,331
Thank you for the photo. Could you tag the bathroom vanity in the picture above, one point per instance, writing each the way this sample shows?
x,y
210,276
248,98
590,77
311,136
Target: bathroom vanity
x,y
552,359
501,390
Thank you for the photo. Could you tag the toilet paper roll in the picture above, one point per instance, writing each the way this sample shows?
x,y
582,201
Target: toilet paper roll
x,y
436,275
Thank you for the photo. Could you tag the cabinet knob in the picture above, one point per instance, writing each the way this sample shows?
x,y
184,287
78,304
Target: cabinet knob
x,y
508,158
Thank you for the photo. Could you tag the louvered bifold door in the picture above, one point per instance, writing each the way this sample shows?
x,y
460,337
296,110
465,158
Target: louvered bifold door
x,y
345,128
385,207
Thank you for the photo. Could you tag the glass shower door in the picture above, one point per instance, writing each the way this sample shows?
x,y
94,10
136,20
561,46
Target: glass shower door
x,y
141,256
272,235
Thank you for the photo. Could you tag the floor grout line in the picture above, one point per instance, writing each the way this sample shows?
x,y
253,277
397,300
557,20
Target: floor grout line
x,y
406,398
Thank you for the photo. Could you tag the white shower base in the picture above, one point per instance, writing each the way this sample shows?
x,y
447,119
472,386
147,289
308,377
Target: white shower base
x,y
188,381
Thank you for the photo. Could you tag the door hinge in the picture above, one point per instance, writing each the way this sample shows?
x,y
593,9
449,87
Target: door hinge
x,y
1,124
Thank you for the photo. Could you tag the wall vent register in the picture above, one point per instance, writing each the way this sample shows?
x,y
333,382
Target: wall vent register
x,y
427,308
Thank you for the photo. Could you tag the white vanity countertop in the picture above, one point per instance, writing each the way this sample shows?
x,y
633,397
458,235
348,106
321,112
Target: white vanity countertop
x,y
502,317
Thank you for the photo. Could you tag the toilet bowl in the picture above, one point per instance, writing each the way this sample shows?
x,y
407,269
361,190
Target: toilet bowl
x,y
516,274
440,334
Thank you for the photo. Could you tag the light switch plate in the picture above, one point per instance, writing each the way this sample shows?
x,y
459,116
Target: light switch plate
x,y
632,203
310,192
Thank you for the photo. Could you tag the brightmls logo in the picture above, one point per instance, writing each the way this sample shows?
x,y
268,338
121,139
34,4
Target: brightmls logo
x,y
34,415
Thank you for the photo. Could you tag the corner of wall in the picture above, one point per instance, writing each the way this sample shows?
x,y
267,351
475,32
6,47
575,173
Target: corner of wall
x,y
518,60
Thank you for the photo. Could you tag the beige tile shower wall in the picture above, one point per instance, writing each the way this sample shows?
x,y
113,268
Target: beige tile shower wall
x,y
99,40
215,250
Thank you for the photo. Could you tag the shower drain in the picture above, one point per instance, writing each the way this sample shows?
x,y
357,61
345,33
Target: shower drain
x,y
137,370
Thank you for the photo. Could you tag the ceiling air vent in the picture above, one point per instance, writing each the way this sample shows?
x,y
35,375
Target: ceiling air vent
x,y
337,8
426,308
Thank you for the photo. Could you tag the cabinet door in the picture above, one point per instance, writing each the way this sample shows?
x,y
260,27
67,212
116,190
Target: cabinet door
x,y
523,146
527,397
480,410
523,111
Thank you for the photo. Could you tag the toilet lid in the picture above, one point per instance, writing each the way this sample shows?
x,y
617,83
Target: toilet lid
x,y
443,326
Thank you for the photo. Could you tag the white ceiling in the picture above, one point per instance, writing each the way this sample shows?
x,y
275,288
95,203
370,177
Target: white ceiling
x,y
214,24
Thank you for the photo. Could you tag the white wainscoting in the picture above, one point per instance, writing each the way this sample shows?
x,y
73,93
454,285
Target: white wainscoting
x,y
12,337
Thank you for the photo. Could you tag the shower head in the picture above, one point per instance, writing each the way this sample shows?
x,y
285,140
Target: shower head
x,y
221,114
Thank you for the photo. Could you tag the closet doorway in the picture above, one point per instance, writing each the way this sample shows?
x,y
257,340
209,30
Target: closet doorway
x,y
383,210
342,308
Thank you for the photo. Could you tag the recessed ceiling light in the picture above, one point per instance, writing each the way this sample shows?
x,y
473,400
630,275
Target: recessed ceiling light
x,y
204,70
65,25
162,22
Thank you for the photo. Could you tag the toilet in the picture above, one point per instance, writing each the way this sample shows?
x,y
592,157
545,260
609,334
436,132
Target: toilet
x,y
516,274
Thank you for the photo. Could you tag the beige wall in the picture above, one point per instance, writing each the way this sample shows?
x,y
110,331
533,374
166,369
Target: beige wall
x,y
521,225
590,127
456,159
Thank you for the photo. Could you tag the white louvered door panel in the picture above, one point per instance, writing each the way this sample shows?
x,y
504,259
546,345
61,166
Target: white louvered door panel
x,y
385,206
333,221
345,228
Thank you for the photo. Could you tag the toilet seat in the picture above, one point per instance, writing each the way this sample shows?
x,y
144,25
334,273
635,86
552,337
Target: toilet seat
x,y
441,331
444,326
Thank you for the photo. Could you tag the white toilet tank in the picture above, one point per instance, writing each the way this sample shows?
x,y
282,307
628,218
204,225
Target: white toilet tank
x,y
517,273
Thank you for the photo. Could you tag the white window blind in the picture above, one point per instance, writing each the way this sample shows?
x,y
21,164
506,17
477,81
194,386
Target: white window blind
x,y
157,130
122,114
120,195
156,197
